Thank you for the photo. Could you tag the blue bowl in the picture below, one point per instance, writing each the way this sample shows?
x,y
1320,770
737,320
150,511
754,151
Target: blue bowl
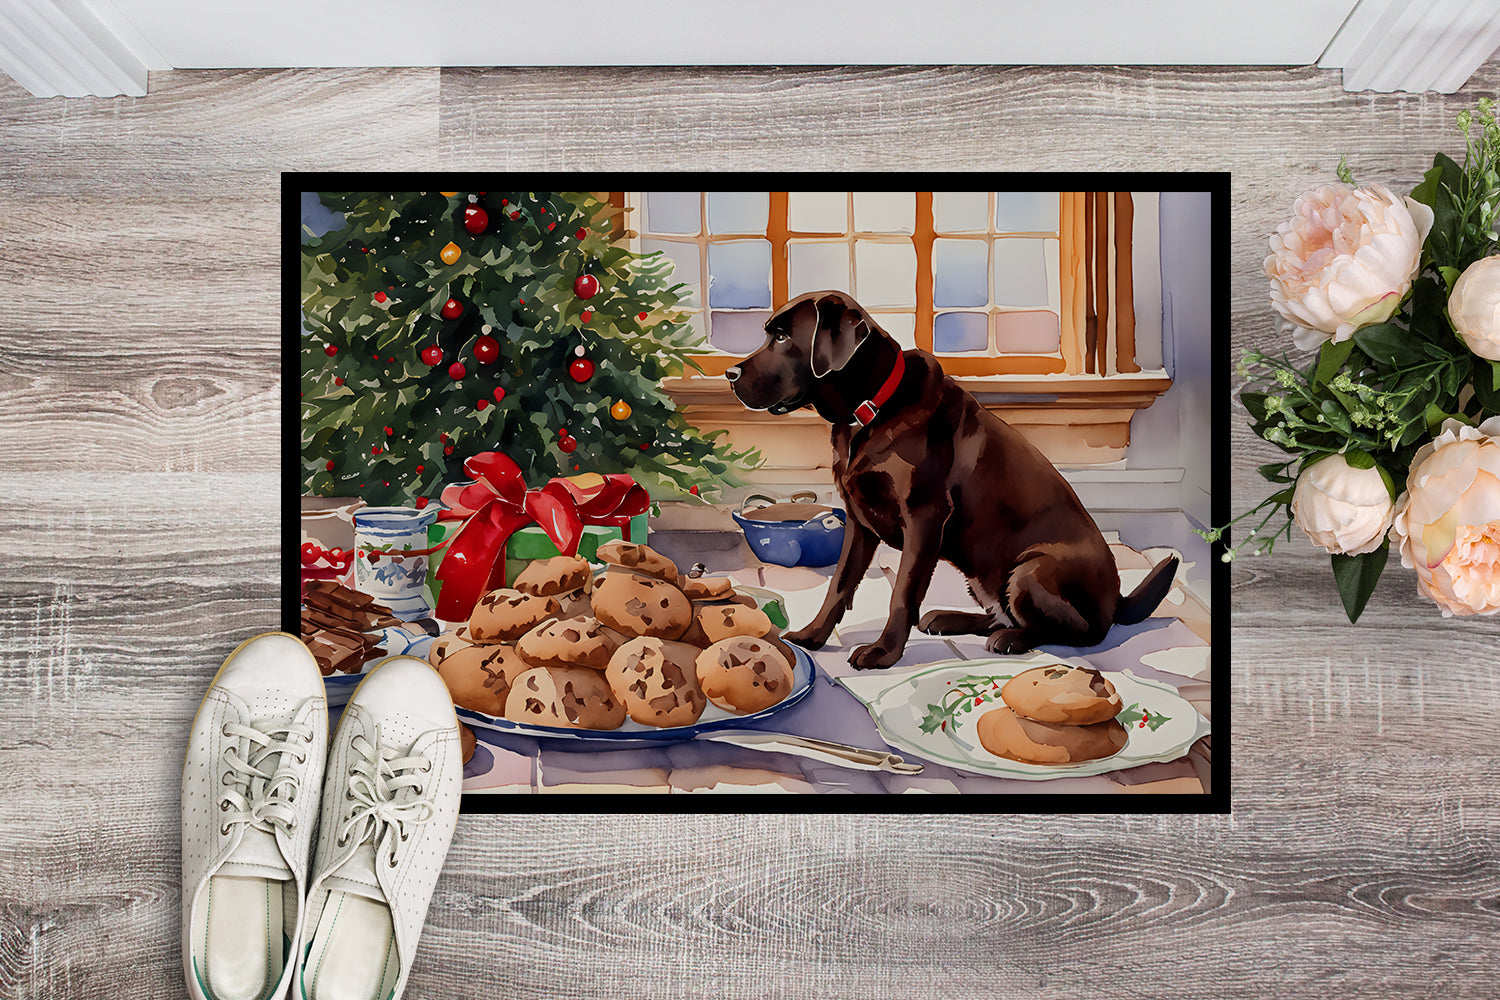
x,y
793,534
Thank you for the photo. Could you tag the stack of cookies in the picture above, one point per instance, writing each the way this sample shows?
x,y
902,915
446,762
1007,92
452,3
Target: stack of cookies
x,y
1057,714
334,624
563,648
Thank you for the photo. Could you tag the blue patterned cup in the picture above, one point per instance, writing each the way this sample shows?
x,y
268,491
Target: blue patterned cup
x,y
382,536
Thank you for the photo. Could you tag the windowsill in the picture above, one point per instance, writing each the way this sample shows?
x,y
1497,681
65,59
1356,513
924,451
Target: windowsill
x,y
1076,420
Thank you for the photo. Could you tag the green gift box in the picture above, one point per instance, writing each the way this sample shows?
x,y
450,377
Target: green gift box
x,y
530,544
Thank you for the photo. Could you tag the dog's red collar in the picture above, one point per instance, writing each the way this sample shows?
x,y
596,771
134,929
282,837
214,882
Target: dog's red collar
x,y
865,412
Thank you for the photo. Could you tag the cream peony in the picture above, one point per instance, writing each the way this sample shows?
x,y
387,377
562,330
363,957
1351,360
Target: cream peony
x,y
1345,260
1448,521
1474,307
1345,510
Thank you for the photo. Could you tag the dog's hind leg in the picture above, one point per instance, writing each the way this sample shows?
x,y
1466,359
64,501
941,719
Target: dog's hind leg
x,y
1042,612
956,623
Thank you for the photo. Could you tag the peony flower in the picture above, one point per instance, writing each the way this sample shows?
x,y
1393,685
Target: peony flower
x,y
1474,307
1448,520
1345,510
1345,260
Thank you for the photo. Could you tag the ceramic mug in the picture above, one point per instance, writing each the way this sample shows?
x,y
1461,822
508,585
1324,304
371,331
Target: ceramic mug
x,y
382,536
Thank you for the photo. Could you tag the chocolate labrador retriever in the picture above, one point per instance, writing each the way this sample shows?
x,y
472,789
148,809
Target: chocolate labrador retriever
x,y
923,467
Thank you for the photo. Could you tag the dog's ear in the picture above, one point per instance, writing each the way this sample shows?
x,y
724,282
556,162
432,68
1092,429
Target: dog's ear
x,y
842,327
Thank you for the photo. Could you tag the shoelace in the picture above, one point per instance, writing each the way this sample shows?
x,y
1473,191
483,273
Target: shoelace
x,y
262,787
384,812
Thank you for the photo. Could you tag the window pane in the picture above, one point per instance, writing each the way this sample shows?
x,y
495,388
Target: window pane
x,y
954,332
960,273
902,326
738,332
685,268
673,212
813,267
817,211
1027,333
1026,211
738,211
885,212
961,211
1020,272
885,274
740,274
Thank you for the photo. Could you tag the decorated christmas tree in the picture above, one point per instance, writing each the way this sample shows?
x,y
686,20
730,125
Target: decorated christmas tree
x,y
438,325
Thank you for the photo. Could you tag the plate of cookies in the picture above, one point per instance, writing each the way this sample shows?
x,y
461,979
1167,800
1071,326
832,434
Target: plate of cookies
x,y
1034,717
629,654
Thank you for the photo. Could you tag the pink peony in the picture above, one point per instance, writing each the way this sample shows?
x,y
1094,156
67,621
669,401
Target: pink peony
x,y
1345,260
1448,521
1474,307
1345,510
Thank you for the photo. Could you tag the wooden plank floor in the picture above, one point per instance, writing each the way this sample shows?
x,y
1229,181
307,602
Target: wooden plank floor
x,y
139,487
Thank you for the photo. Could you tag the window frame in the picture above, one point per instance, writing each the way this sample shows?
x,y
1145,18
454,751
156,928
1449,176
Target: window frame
x,y
1096,313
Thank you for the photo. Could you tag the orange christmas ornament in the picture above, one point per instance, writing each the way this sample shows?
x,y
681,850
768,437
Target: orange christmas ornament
x,y
620,410
450,253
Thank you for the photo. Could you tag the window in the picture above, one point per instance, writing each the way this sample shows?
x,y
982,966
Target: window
x,y
993,283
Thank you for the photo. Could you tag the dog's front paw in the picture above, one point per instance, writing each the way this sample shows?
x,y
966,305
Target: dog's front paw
x,y
1009,642
807,638
874,656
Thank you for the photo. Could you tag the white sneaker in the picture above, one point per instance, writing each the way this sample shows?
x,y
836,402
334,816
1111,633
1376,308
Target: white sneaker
x,y
390,803
250,788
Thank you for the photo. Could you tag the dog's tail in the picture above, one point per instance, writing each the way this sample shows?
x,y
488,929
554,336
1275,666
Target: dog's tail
x,y
1138,605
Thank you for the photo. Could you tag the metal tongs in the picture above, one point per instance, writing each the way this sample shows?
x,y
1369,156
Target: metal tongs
x,y
840,754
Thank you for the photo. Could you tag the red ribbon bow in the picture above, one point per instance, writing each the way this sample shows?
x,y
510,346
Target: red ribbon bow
x,y
612,501
497,503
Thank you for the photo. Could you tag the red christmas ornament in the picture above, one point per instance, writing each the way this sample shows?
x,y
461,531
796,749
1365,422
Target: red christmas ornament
x,y
499,393
585,286
380,297
486,349
562,432
375,451
432,355
476,220
420,468
644,447
311,553
587,315
568,444
481,404
452,309
457,370
640,316
551,226
389,432
338,380
443,436
330,350
421,503
582,234
515,215
582,369
448,450
329,466
693,490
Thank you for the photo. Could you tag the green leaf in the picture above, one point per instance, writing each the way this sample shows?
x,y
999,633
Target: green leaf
x,y
1390,484
1336,416
1255,402
1344,173
1450,275
1388,344
1283,497
1275,472
1359,459
1331,358
1356,577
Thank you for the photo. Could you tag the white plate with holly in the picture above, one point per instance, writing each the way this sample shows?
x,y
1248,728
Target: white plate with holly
x,y
933,712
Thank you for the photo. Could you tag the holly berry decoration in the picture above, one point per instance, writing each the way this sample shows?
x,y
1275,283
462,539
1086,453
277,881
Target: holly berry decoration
x,y
582,369
587,315
585,286
476,219
568,444
452,309
311,553
450,253
330,350
457,371
621,410
499,394
432,355
486,349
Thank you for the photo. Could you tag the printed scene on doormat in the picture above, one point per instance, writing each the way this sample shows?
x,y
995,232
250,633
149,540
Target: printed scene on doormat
x,y
732,491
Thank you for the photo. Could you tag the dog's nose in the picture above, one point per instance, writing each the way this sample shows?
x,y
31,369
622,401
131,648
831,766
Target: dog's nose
x,y
732,374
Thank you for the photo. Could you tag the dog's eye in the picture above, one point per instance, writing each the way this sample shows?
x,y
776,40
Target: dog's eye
x,y
777,338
